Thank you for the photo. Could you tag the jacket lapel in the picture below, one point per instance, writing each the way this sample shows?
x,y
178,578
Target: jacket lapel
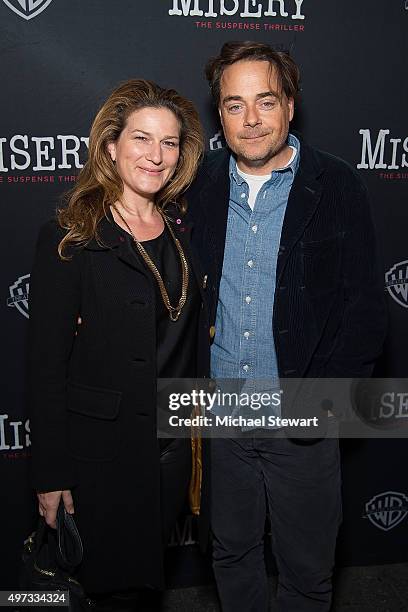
x,y
183,233
214,198
112,240
182,230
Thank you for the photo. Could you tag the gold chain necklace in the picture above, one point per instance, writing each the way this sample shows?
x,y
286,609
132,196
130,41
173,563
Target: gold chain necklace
x,y
174,311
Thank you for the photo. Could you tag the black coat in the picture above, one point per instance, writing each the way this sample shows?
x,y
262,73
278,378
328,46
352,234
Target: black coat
x,y
329,316
93,399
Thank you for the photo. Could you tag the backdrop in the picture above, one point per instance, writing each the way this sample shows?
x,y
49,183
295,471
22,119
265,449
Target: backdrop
x,y
59,61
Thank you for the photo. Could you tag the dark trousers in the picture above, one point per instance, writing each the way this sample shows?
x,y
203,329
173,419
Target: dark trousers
x,y
175,474
299,483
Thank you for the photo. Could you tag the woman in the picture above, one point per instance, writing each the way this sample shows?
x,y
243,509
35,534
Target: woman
x,y
117,257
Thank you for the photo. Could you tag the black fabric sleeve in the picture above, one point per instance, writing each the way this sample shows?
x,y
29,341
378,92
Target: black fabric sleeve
x,y
54,305
365,318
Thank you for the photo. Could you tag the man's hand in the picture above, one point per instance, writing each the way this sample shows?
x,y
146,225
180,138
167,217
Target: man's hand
x,y
48,505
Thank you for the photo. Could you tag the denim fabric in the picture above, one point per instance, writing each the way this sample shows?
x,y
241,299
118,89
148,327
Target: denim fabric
x,y
244,346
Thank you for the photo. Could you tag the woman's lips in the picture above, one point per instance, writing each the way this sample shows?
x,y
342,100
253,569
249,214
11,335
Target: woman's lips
x,y
152,171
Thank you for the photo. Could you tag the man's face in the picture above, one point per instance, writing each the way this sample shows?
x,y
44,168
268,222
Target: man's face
x,y
255,116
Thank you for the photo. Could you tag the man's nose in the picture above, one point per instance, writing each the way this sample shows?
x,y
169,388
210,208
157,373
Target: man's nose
x,y
252,117
155,153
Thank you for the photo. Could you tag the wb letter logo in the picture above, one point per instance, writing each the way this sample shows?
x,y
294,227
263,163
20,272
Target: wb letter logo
x,y
19,292
387,510
396,282
27,9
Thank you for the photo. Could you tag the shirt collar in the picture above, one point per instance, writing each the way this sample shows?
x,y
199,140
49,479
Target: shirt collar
x,y
292,141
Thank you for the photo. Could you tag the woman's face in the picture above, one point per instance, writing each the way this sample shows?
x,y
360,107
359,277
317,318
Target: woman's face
x,y
147,151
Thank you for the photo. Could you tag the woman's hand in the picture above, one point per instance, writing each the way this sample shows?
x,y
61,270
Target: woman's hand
x,y
48,505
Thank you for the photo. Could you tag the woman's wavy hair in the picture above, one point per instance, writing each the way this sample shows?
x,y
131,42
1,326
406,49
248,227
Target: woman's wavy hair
x,y
100,185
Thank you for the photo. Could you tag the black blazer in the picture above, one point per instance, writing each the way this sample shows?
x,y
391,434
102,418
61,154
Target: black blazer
x,y
329,317
93,399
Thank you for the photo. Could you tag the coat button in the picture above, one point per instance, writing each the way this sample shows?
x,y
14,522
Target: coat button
x,y
212,385
212,331
205,278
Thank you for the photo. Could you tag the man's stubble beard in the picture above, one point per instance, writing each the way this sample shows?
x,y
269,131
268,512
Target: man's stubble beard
x,y
262,156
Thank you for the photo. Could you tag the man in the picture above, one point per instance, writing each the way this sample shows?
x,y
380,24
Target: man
x,y
286,241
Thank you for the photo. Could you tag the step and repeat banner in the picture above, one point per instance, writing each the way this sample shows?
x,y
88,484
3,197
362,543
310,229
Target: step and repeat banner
x,y
59,61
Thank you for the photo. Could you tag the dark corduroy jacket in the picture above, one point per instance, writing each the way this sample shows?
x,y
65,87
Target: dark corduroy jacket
x,y
329,315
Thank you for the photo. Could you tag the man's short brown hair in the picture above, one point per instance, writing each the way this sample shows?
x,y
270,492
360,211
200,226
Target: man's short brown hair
x,y
237,51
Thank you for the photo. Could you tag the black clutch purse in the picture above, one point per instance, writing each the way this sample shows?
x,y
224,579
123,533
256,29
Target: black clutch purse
x,y
50,558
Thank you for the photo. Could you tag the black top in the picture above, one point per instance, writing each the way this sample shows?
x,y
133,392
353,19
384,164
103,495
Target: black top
x,y
176,340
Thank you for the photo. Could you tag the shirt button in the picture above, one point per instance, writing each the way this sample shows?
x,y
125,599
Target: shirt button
x,y
248,299
245,367
254,228
246,334
250,263
243,195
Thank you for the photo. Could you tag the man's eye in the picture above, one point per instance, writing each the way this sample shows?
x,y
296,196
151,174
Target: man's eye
x,y
268,104
235,108
170,143
140,138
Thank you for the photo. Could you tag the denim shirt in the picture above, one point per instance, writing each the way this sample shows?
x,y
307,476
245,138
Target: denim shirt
x,y
244,346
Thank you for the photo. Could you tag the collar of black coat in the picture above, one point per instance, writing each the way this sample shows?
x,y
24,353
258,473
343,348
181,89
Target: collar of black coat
x,y
110,238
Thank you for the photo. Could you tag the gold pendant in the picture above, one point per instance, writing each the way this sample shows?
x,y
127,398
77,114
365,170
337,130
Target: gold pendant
x,y
174,315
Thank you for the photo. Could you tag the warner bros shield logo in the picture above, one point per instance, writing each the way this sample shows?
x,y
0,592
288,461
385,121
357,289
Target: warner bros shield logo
x,y
387,510
27,9
19,293
396,282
